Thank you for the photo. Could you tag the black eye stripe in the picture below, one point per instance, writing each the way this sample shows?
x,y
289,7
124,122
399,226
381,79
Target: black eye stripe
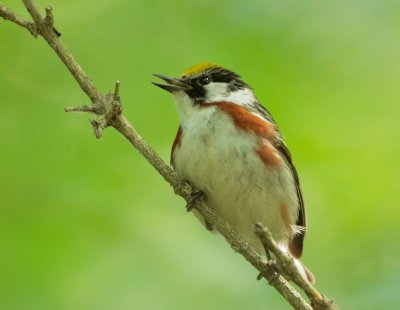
x,y
219,75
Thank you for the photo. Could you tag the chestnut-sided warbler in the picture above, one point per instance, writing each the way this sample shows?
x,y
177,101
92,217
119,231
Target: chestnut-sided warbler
x,y
229,147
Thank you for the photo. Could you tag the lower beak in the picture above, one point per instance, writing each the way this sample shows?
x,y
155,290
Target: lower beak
x,y
173,84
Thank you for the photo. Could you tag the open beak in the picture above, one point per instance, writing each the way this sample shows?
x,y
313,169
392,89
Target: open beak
x,y
173,84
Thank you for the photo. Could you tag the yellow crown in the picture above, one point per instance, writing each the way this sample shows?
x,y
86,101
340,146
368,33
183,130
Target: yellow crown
x,y
199,68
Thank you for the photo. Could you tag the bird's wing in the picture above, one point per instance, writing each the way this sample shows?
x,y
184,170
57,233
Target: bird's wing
x,y
176,144
296,243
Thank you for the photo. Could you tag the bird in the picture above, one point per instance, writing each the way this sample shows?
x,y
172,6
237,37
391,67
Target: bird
x,y
229,147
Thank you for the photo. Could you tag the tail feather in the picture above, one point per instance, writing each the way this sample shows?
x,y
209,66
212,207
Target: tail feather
x,y
310,275
305,272
296,243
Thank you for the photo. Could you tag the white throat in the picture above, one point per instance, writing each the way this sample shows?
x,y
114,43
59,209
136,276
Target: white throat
x,y
184,106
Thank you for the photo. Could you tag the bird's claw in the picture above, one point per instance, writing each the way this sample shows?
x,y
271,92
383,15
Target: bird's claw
x,y
195,195
275,276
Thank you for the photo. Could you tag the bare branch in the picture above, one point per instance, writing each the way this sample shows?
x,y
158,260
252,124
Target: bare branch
x,y
286,263
109,110
9,15
82,108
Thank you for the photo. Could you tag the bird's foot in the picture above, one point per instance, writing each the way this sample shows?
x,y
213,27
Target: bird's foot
x,y
195,196
269,270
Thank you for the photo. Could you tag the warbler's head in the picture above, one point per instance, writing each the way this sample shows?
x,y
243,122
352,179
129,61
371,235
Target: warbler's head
x,y
207,83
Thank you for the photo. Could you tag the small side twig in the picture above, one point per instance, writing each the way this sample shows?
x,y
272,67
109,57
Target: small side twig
x,y
49,19
9,15
82,108
286,263
116,91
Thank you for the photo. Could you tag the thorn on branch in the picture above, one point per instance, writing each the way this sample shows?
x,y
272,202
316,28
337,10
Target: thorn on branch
x,y
116,91
116,106
49,20
113,104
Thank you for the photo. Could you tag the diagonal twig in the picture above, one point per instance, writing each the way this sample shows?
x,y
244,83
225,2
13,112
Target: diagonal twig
x,y
286,263
9,15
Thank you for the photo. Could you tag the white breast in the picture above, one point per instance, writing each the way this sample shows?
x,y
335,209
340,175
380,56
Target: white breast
x,y
221,161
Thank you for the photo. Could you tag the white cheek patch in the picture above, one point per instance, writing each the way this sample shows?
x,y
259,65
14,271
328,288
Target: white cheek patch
x,y
220,92
216,91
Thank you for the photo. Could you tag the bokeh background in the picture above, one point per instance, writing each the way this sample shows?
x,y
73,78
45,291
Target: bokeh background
x,y
88,224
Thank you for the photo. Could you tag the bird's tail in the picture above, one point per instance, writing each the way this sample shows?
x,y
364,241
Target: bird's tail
x,y
304,271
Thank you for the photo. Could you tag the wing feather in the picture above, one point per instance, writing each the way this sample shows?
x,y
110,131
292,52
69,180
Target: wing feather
x,y
296,243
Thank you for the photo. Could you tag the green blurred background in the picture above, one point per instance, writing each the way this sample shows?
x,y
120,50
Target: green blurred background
x,y
88,224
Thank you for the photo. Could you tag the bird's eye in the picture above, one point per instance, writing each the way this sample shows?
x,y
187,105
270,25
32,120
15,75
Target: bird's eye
x,y
204,80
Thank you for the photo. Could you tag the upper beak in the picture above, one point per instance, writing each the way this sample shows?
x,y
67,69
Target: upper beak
x,y
173,83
